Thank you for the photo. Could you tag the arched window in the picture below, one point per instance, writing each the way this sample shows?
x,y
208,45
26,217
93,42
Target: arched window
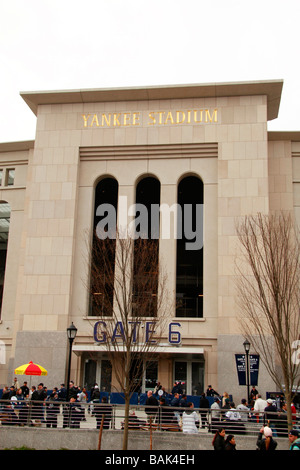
x,y
189,267
146,248
4,231
103,247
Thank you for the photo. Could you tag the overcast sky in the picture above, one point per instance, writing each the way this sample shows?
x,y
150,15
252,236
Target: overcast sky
x,y
71,44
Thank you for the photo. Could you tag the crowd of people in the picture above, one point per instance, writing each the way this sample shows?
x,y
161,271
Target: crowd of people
x,y
171,411
226,417
21,405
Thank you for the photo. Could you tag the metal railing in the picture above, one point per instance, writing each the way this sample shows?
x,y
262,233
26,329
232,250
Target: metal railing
x,y
80,415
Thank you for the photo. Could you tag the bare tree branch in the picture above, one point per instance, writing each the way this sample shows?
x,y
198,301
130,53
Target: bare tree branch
x,y
268,285
128,290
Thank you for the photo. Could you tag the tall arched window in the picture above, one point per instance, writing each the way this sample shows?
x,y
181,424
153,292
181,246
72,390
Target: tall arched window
x,y
103,247
4,231
189,268
146,247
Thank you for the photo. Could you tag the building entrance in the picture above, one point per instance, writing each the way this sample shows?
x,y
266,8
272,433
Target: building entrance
x,y
191,376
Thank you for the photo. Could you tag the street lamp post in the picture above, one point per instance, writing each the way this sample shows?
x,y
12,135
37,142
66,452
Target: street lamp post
x,y
71,331
247,345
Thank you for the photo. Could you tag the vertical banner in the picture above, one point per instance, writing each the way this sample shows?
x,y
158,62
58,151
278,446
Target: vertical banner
x,y
253,368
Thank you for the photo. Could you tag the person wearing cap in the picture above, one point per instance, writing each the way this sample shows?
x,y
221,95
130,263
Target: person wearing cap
x,y
270,415
294,440
12,392
215,414
265,439
210,392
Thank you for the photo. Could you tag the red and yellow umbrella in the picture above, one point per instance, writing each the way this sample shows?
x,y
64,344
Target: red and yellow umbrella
x,y
31,369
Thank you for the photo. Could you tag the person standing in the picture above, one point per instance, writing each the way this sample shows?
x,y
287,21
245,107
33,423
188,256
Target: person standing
x,y
25,390
175,404
210,392
73,391
219,440
204,406
265,441
253,395
16,384
270,415
259,407
243,409
22,407
62,393
5,393
215,414
12,392
52,410
151,406
82,397
230,443
165,414
75,413
294,440
38,398
233,418
190,420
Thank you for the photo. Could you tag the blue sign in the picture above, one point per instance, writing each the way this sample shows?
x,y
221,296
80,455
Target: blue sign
x,y
253,368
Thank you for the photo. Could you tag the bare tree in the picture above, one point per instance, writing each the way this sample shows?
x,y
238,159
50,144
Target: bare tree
x,y
268,285
129,287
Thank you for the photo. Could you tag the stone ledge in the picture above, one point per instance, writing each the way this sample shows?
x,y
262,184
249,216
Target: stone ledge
x,y
85,439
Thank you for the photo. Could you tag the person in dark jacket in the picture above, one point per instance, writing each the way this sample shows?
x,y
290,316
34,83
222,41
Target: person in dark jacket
x,y
219,439
204,406
230,442
177,388
183,403
95,396
25,390
62,393
175,404
12,392
73,391
22,407
210,392
265,441
165,413
271,416
151,401
52,410
75,413
5,393
38,397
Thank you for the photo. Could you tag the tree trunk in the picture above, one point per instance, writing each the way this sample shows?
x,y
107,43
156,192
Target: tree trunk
x,y
125,435
288,401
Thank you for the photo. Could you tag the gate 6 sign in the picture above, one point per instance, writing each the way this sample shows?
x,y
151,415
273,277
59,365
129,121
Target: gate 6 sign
x,y
117,332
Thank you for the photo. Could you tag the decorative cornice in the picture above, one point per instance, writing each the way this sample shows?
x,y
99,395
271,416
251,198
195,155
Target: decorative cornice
x,y
197,150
